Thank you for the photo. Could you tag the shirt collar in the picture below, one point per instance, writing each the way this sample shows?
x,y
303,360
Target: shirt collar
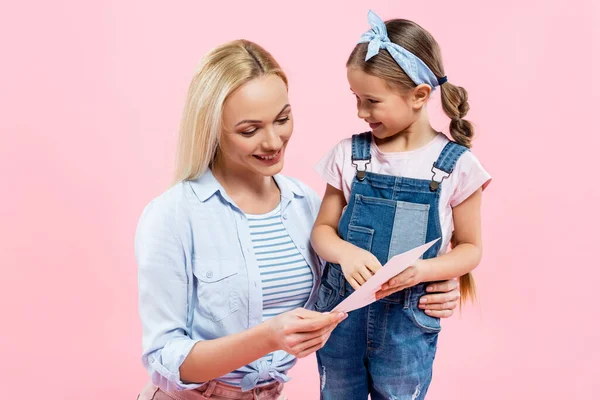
x,y
207,185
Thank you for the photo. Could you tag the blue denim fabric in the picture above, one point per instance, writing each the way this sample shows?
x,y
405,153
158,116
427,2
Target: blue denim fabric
x,y
387,348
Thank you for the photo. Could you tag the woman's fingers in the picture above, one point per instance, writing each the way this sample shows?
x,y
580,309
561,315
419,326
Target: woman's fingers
x,y
301,341
305,342
440,313
446,286
435,299
311,321
314,345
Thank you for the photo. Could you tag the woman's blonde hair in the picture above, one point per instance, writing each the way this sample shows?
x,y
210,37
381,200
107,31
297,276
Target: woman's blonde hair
x,y
220,73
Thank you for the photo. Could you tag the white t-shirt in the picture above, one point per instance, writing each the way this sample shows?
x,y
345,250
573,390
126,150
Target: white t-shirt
x,y
469,175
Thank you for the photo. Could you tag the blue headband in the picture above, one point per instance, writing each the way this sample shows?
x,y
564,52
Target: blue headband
x,y
416,69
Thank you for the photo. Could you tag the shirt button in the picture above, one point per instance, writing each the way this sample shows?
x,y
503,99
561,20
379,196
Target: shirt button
x,y
209,274
247,249
151,359
255,284
302,247
285,216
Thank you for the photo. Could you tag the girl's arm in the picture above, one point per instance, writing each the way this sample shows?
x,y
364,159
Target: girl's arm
x,y
357,264
443,297
463,258
324,238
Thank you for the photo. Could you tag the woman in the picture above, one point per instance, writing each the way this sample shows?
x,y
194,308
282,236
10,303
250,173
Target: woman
x,y
227,276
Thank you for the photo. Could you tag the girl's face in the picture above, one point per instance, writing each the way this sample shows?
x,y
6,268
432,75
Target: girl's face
x,y
257,125
387,111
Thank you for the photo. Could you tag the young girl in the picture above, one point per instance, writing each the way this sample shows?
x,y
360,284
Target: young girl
x,y
389,190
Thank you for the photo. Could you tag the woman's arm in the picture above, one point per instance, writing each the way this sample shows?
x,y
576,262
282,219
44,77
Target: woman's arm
x,y
298,332
173,358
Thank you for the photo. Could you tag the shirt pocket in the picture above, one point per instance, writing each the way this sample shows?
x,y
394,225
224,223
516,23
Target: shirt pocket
x,y
218,297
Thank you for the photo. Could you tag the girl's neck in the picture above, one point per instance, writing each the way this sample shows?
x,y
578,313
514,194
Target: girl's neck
x,y
417,135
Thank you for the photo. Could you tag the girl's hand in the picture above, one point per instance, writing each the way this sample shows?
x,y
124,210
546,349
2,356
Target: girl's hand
x,y
441,300
358,265
410,277
301,332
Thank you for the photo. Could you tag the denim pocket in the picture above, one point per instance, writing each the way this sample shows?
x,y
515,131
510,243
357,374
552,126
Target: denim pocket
x,y
423,321
325,299
329,290
216,290
360,236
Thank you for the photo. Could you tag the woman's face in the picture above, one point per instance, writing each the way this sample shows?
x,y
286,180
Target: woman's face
x,y
257,125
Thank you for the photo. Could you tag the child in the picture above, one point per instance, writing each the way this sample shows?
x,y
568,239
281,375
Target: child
x,y
389,190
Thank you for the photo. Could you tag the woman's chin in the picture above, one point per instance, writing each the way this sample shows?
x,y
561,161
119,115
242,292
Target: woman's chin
x,y
270,170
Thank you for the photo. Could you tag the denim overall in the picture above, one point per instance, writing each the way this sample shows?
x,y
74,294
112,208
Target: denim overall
x,y
387,348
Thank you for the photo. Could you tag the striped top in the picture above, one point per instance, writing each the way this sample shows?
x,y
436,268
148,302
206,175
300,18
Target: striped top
x,y
286,280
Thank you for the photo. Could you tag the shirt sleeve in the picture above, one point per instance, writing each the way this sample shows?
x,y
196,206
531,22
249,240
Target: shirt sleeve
x,y
468,176
163,298
314,202
330,166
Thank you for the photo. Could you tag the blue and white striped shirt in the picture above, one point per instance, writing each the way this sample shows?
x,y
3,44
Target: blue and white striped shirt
x,y
285,276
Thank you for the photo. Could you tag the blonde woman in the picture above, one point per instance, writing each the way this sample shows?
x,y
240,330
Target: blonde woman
x,y
227,276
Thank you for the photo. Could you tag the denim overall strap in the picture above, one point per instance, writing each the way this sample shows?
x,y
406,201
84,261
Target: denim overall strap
x,y
361,153
445,163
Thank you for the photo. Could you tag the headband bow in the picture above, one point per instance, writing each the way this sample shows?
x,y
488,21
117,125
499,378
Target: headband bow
x,y
414,67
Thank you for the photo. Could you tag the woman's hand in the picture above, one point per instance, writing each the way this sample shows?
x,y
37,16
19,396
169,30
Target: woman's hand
x,y
442,299
301,332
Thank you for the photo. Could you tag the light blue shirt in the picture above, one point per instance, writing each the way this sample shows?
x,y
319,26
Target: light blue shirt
x,y
199,278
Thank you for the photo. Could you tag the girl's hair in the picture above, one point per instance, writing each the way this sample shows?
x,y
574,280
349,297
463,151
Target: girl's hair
x,y
418,41
220,73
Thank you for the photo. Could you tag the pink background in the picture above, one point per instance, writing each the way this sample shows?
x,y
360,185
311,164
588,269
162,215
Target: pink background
x,y
90,99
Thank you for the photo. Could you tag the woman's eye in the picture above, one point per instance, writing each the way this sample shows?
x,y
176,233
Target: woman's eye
x,y
250,132
282,121
373,101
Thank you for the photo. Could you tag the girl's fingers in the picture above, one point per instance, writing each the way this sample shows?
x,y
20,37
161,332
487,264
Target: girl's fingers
x,y
365,274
